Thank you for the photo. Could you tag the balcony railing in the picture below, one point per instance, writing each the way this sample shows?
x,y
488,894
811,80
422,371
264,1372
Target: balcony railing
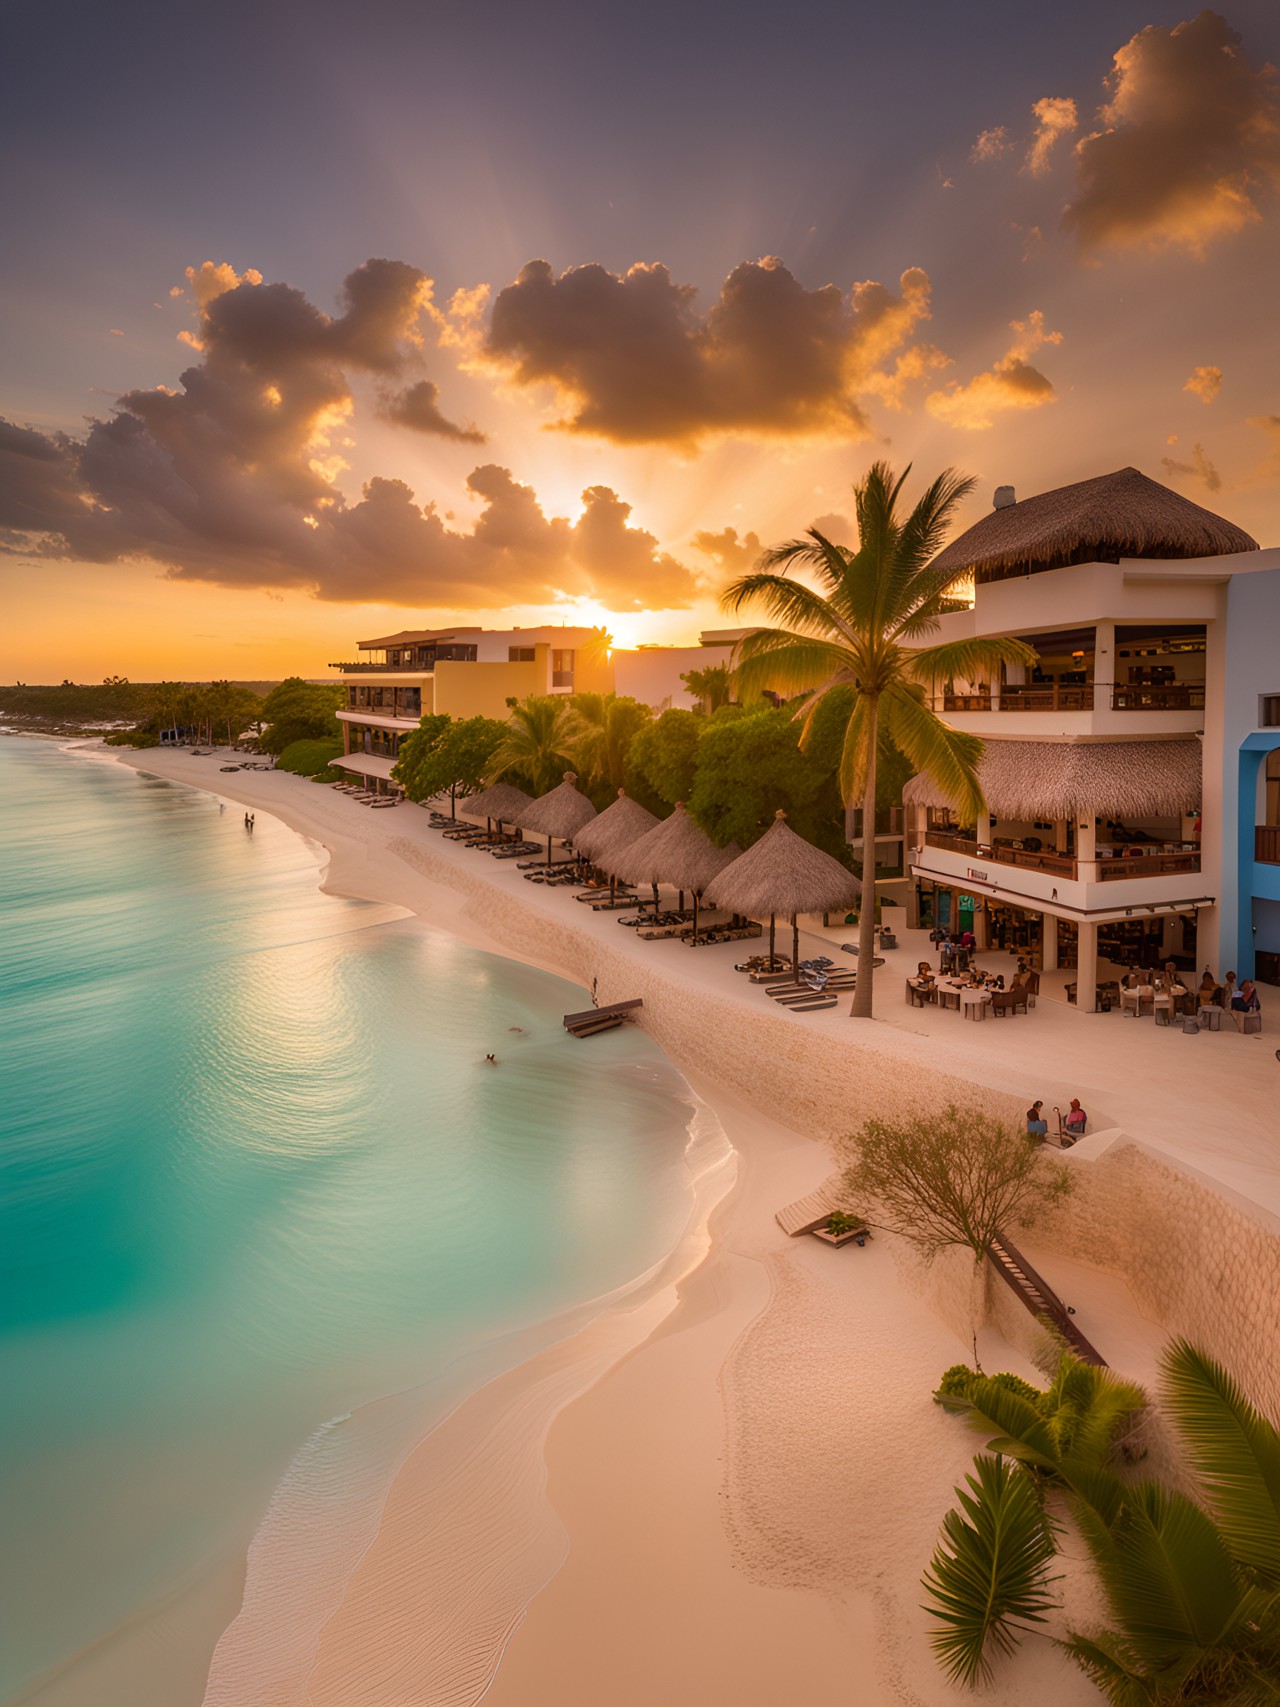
x,y
1052,696
1179,697
1266,844
966,702
1062,865
1136,862
363,666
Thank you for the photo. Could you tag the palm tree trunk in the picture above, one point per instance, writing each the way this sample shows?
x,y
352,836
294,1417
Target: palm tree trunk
x,y
861,1008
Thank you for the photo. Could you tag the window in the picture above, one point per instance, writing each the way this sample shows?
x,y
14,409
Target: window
x,y
562,660
520,654
1269,711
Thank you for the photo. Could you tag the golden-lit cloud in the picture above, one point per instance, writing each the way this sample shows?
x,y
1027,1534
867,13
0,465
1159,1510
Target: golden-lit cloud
x,y
233,476
1198,469
1204,383
630,359
991,144
1012,383
732,553
1055,117
1188,143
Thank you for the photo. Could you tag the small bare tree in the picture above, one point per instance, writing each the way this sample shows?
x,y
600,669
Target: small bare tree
x,y
957,1177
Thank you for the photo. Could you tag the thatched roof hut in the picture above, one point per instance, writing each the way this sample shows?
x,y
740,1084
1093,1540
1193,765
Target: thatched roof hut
x,y
1124,514
675,851
561,812
503,802
616,829
1057,779
782,873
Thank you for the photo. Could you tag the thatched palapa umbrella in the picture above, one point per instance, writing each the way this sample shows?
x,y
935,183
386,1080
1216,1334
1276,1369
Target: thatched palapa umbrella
x,y
782,873
677,852
501,803
559,813
612,833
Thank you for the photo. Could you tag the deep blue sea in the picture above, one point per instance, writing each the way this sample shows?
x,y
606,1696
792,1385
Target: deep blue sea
x,y
256,1172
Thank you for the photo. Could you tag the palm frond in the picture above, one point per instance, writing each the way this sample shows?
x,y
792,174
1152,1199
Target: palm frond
x,y
936,750
971,660
1236,1452
989,1573
788,603
855,753
787,663
1015,1425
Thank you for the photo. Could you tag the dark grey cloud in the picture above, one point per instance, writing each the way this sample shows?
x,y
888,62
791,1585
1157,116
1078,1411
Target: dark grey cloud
x,y
633,361
418,407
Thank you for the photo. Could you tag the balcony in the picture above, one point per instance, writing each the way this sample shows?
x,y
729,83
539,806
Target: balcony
x,y
364,667
1181,696
1134,861
1266,844
1037,696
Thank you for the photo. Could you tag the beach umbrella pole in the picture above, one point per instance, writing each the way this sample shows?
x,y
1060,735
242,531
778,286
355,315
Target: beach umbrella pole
x,y
795,946
771,943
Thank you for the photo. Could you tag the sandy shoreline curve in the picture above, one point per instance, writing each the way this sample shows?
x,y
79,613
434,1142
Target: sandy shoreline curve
x,y
751,1488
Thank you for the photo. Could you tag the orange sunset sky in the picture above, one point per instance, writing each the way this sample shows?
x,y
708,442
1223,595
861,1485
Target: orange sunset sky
x,y
326,322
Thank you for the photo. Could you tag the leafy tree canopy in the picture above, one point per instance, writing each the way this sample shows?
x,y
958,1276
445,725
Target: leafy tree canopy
x,y
444,755
748,767
537,745
664,754
601,729
300,711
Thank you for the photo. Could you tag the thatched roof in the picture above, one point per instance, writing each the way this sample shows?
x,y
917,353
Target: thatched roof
x,y
1124,514
675,851
562,811
782,873
1055,779
502,801
618,827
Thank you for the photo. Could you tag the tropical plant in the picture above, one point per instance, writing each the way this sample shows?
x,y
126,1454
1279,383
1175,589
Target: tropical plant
x,y
713,686
750,766
664,754
601,731
535,750
989,1575
1192,1587
861,631
296,710
309,758
957,1177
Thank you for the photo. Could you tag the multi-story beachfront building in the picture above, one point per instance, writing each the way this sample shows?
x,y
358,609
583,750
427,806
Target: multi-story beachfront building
x,y
463,672
1132,773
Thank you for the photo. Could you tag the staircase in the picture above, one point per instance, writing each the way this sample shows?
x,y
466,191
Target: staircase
x,y
1040,1298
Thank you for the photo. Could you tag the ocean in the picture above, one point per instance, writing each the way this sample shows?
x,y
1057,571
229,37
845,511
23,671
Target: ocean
x,y
255,1173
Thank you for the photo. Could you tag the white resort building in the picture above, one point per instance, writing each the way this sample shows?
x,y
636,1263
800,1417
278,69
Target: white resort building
x,y
1132,773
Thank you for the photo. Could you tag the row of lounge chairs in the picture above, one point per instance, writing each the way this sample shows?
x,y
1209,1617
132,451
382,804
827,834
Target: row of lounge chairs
x,y
814,985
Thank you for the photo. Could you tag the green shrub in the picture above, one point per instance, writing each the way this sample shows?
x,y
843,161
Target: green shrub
x,y
133,738
327,776
308,758
1015,1384
957,1380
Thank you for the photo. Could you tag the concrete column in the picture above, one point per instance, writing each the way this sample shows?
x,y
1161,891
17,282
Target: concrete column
x,y
1060,835
979,924
984,828
1086,845
1049,944
1104,664
1087,967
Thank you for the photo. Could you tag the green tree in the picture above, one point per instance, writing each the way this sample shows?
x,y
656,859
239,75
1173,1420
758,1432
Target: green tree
x,y
454,758
536,748
958,1177
166,703
713,686
232,708
664,754
300,711
861,631
601,731
748,767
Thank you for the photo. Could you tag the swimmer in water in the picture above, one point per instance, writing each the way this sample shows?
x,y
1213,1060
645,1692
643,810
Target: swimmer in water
x,y
492,1060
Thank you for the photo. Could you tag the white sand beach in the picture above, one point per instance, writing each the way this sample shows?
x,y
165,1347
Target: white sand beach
x,y
728,1488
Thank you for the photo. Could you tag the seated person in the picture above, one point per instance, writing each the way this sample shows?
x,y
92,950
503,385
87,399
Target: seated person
x,y
1229,990
1037,1125
1208,988
1245,1000
1018,980
1076,1118
924,973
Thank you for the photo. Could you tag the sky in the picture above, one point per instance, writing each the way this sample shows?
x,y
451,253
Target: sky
x,y
324,321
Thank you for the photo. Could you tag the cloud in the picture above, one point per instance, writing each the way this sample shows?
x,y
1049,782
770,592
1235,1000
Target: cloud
x,y
990,144
418,407
232,477
1055,117
1188,144
631,359
732,553
1204,383
1199,468
1012,383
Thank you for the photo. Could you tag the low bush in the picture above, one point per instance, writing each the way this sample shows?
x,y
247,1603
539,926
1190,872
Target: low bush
x,y
957,1380
308,758
132,738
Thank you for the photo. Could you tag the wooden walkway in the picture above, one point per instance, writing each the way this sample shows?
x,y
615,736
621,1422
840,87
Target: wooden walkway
x,y
814,1210
606,1018
1040,1298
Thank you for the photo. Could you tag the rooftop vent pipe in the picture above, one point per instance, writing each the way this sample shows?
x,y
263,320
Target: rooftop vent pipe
x,y
1005,497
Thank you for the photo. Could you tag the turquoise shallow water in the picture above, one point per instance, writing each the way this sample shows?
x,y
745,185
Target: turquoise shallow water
x,y
255,1172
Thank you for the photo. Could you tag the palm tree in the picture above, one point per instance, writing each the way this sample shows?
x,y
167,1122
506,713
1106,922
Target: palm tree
x,y
535,751
713,686
860,630
1191,1586
601,729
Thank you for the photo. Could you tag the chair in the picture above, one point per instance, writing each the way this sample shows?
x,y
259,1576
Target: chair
x,y
915,995
1032,987
1247,1020
1162,1007
1007,1002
